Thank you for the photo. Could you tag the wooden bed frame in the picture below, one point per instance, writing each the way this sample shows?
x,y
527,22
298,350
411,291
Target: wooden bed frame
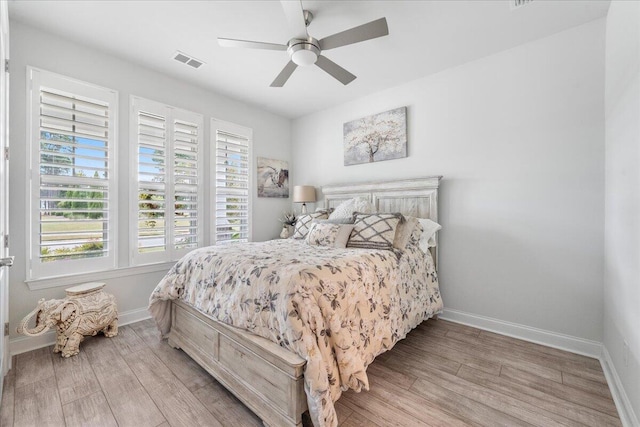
x,y
264,376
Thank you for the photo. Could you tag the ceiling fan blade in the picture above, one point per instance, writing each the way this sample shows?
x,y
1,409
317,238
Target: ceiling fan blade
x,y
284,74
372,30
250,44
334,70
295,17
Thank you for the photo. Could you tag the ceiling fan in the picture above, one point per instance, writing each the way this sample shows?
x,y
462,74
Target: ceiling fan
x,y
304,50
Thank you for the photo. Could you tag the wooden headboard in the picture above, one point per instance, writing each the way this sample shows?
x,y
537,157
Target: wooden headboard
x,y
415,197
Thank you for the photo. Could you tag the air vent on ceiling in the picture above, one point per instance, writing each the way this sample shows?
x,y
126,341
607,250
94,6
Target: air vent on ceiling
x,y
515,4
187,59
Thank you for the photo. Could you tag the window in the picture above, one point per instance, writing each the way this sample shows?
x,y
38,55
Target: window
x,y
73,185
168,196
231,197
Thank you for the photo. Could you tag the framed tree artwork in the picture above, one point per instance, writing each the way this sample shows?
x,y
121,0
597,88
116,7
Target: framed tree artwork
x,y
382,136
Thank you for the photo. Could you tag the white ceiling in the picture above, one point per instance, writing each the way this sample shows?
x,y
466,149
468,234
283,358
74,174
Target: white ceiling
x,y
424,37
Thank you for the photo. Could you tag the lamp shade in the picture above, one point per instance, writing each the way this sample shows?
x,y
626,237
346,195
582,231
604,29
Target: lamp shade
x,y
304,194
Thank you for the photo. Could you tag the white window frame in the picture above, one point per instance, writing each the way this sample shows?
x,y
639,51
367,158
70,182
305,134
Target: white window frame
x,y
170,114
245,132
37,78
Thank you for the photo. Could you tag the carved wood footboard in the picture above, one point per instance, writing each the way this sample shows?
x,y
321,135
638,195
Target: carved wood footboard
x,y
264,376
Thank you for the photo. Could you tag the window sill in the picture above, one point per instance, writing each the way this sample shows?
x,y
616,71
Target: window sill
x,y
74,279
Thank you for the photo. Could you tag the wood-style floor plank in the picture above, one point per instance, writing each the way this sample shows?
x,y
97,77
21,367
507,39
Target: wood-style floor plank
x,y
446,326
443,374
75,377
8,393
505,403
423,347
92,410
509,342
439,358
586,416
494,355
38,404
225,407
127,341
590,386
100,349
343,412
358,420
127,398
147,330
400,379
537,358
192,375
378,409
407,402
34,366
178,405
451,394
560,390
467,409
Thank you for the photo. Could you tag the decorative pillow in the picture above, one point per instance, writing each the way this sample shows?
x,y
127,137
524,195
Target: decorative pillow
x,y
428,236
348,207
403,232
343,235
324,210
374,231
414,239
326,234
303,224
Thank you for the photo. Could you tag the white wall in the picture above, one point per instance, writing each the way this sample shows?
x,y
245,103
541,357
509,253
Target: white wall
x,y
519,138
622,195
30,46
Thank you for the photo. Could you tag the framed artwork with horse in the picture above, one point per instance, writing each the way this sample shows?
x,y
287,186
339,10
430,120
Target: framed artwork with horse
x,y
273,178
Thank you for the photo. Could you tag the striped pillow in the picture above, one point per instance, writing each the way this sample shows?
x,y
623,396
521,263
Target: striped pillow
x,y
374,231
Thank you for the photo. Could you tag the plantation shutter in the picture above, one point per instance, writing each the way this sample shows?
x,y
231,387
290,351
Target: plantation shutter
x,y
186,137
168,167
73,183
151,172
232,183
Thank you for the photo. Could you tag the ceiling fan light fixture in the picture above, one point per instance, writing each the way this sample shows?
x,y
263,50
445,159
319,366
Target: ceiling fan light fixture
x,y
304,57
304,52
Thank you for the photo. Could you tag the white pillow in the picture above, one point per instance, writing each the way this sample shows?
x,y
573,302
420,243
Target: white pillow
x,y
343,235
428,236
348,207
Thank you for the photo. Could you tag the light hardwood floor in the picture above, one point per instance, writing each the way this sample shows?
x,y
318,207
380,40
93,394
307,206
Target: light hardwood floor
x,y
443,374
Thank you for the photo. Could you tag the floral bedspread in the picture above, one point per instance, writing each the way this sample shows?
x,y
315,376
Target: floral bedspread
x,y
336,308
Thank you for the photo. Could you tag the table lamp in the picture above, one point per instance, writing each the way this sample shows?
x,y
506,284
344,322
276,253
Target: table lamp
x,y
304,194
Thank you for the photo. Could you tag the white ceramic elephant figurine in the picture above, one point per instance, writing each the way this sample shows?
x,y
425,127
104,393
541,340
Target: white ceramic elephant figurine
x,y
74,318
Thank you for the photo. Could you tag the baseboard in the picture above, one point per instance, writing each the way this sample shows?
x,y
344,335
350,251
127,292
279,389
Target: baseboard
x,y
527,333
23,344
623,404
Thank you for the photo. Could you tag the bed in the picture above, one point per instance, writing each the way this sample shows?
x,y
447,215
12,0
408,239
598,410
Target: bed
x,y
289,326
